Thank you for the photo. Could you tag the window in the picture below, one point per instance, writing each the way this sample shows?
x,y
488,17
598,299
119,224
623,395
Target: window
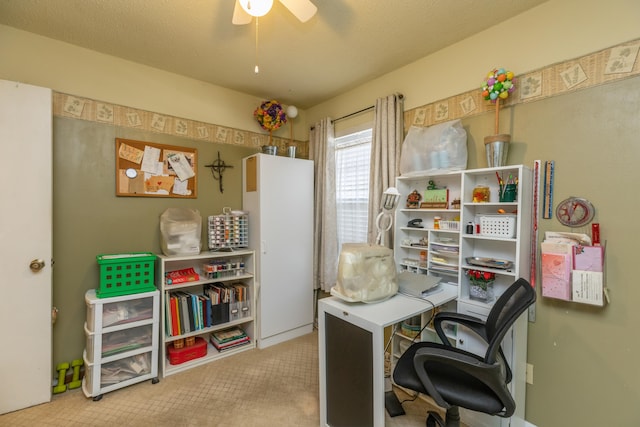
x,y
353,162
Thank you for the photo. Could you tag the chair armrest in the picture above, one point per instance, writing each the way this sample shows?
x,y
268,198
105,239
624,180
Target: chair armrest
x,y
488,374
471,322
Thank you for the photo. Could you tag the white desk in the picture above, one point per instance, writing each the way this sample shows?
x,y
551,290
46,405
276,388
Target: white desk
x,y
351,353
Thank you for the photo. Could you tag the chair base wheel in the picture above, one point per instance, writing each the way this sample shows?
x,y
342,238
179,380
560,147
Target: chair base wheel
x,y
434,420
452,418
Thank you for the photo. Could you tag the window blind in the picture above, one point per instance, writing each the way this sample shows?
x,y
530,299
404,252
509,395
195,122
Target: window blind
x,y
353,162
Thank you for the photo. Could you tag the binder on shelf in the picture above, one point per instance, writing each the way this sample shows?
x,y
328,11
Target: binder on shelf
x,y
168,323
184,310
177,325
205,304
219,313
220,300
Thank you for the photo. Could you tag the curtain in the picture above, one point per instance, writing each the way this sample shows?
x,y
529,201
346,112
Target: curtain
x,y
385,157
325,234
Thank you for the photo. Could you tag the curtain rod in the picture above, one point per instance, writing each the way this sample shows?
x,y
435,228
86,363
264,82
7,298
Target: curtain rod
x,y
401,96
353,114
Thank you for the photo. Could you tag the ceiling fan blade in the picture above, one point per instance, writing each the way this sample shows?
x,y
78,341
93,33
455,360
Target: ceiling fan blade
x,y
302,9
240,17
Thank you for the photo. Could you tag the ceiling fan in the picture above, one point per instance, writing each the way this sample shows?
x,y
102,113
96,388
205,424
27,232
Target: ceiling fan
x,y
245,10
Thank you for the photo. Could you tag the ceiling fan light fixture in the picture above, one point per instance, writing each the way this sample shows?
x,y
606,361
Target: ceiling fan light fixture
x,y
256,7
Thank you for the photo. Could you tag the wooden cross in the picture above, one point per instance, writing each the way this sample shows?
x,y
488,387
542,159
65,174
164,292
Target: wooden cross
x,y
217,168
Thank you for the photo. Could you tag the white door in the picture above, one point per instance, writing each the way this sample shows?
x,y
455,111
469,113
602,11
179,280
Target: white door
x,y
25,236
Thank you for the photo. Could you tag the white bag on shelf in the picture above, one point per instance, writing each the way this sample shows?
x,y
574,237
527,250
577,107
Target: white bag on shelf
x,y
180,231
441,148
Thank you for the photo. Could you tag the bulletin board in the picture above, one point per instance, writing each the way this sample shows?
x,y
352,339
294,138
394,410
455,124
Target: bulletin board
x,y
147,169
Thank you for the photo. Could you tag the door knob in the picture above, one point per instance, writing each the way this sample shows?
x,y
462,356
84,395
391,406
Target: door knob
x,y
36,265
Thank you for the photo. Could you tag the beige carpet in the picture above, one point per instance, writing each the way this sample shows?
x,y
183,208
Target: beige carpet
x,y
277,386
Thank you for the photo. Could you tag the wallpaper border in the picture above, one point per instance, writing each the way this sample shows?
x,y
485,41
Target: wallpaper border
x,y
66,105
605,66
610,64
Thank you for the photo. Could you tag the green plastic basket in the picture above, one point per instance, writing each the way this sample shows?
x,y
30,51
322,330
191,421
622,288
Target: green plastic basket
x,y
125,274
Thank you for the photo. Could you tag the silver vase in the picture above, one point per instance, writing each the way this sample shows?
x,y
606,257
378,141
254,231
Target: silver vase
x,y
497,148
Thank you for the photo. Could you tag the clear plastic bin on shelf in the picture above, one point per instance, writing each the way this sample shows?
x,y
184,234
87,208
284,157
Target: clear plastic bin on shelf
x,y
229,230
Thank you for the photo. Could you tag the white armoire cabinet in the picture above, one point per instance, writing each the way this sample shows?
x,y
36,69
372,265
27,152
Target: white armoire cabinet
x,y
278,195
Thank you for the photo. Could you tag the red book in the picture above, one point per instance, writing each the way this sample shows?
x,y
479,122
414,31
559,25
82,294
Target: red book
x,y
181,276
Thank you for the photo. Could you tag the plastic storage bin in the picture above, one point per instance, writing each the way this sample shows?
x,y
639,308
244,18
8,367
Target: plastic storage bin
x,y
118,312
120,341
125,274
229,230
498,226
184,354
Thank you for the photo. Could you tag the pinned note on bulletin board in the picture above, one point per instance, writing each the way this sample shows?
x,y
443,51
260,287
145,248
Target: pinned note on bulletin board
x,y
147,169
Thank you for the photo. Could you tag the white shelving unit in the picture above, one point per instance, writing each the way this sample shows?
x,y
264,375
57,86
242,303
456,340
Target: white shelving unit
x,y
502,244
246,321
431,249
428,250
447,253
122,342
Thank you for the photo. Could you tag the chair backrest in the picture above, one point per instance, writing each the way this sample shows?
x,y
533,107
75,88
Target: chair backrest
x,y
506,310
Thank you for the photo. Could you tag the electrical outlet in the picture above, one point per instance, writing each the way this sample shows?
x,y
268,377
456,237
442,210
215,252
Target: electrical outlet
x,y
529,373
532,313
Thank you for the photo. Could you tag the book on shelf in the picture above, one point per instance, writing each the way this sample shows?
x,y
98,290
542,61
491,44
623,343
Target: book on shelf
x,y
187,312
184,311
175,313
240,292
172,315
205,303
229,338
192,311
220,297
181,276
232,345
228,334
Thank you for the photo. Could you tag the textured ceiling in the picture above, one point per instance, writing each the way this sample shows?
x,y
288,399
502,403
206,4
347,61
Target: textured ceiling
x,y
347,43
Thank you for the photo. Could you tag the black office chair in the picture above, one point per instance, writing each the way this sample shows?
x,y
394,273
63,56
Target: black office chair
x,y
455,378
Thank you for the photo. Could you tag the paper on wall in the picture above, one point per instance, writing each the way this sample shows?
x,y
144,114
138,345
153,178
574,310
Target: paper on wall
x,y
159,184
132,154
570,238
556,275
588,258
150,159
180,187
181,166
588,287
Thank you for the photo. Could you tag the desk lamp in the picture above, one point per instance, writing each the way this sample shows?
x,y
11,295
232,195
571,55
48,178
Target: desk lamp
x,y
384,221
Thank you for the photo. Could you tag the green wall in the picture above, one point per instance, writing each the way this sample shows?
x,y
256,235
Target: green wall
x,y
584,357
88,218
